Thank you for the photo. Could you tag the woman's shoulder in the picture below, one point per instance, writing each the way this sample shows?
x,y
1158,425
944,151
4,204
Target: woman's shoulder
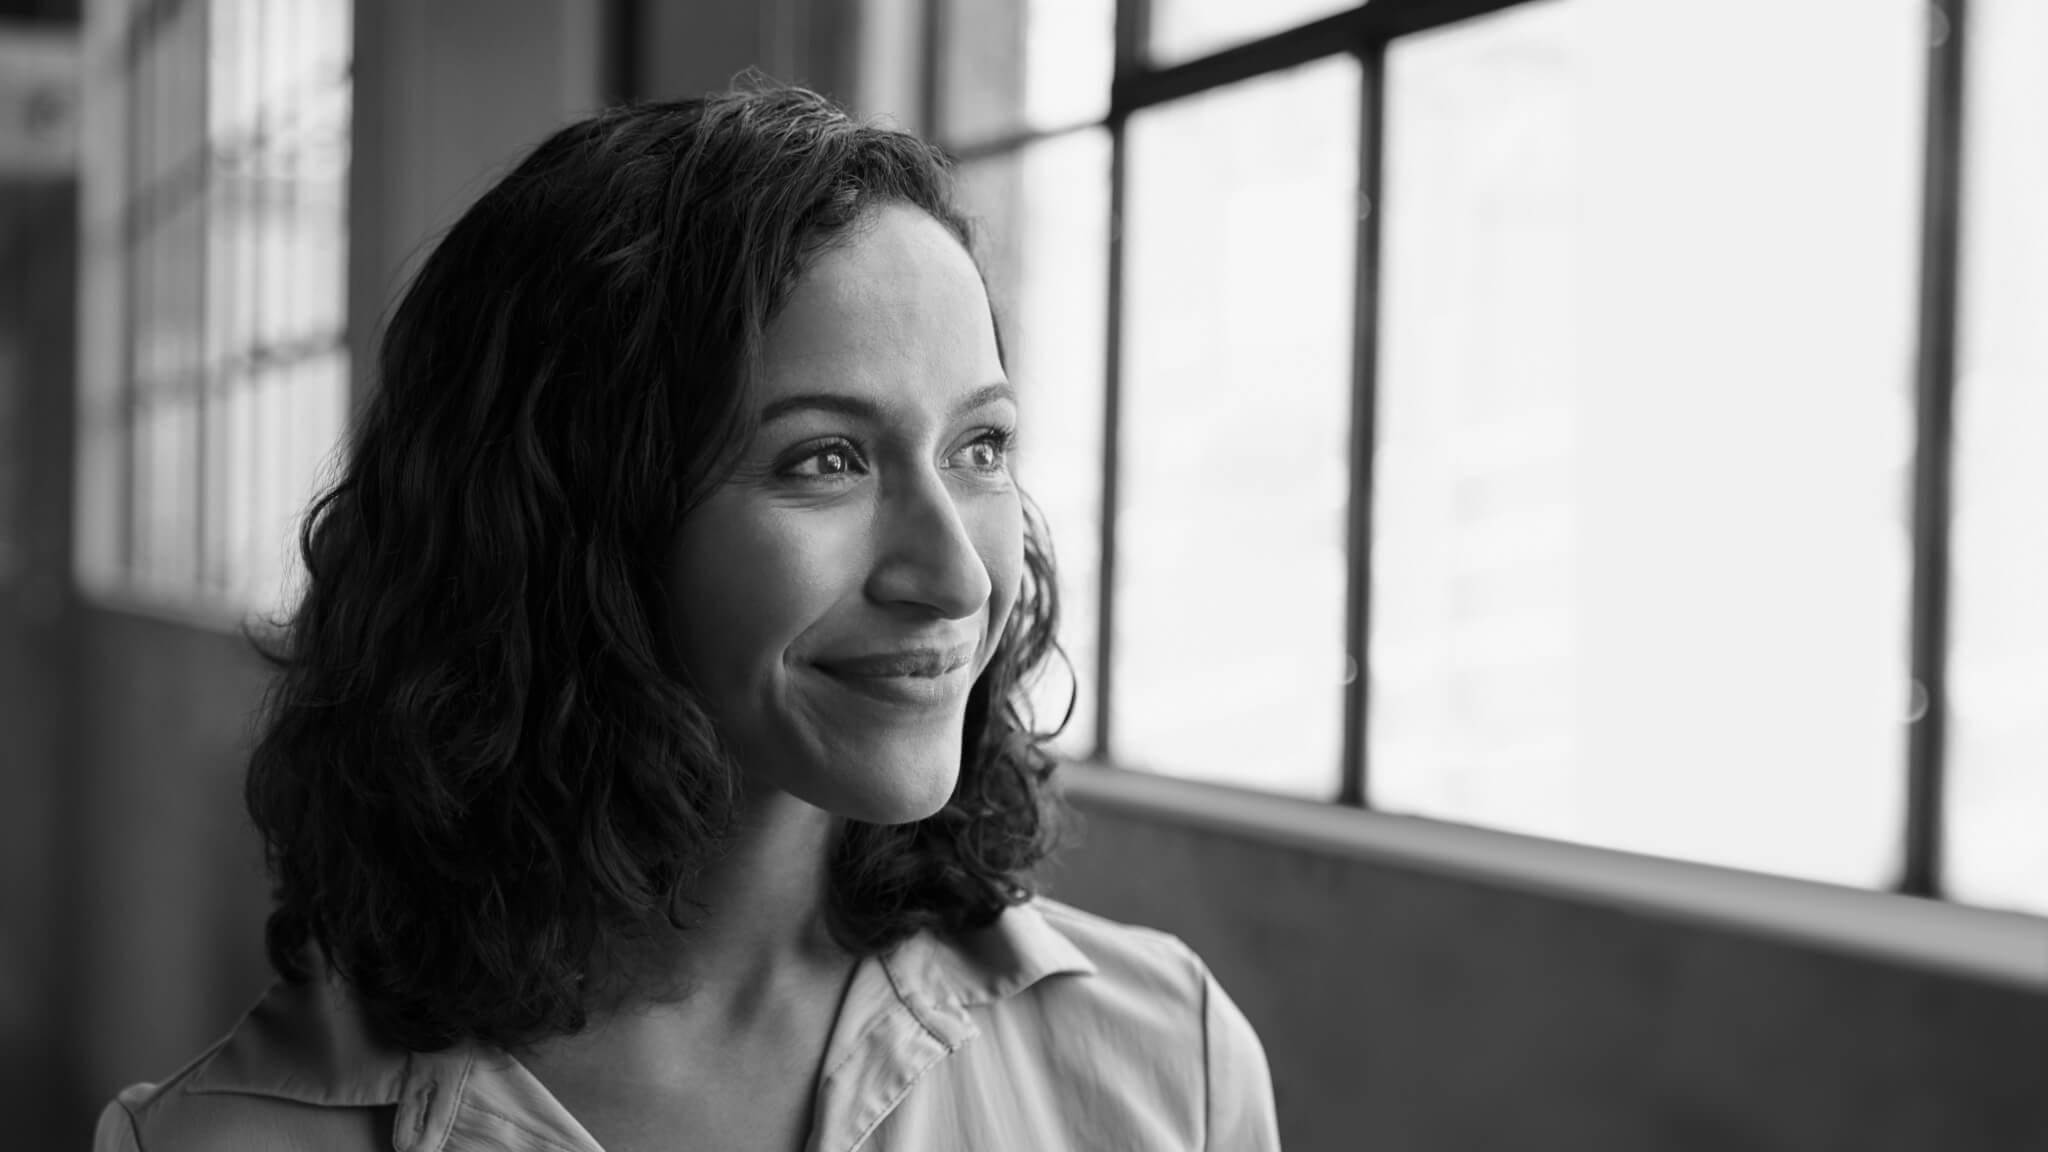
x,y
1142,983
1101,935
169,1117
297,1071
1125,955
1045,944
1113,1003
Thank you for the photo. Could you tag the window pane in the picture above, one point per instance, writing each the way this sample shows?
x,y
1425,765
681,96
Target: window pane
x,y
214,560
270,483
1044,217
1010,65
96,547
1998,659
275,305
1229,645
1185,29
1641,537
167,501
277,65
239,510
231,103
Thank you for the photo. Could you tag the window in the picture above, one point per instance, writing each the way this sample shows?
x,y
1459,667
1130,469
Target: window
x,y
1050,296
213,370
1535,414
1998,662
1235,381
1642,527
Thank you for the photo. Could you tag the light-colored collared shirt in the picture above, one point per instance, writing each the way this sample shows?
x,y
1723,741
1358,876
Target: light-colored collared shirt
x,y
1054,1029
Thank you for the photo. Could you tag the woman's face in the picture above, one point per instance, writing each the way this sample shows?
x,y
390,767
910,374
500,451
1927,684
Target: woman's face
x,y
840,593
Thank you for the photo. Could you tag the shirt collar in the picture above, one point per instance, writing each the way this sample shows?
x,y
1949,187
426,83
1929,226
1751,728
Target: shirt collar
x,y
1018,950
308,1042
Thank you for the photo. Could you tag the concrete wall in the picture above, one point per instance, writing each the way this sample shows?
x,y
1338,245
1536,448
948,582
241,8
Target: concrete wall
x,y
38,267
161,935
1406,1009
448,96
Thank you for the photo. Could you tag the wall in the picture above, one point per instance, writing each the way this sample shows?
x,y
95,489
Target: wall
x,y
448,96
162,881
38,262
1403,1009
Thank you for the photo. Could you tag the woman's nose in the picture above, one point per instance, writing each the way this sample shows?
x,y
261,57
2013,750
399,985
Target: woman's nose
x,y
926,553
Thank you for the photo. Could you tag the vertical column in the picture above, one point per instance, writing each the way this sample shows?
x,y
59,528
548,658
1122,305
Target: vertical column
x,y
692,48
447,96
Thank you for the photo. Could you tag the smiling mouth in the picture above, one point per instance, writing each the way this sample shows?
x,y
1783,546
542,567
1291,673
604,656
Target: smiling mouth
x,y
911,690
925,662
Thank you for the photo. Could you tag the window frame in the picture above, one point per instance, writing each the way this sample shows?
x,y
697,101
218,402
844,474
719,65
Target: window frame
x,y
129,52
1366,32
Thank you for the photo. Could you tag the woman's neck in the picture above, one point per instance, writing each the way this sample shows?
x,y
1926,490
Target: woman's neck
x,y
752,967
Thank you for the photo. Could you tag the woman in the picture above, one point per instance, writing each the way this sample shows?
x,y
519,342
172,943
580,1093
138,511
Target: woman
x,y
646,766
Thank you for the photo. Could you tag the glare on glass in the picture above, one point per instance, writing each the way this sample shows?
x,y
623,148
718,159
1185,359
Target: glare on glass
x,y
307,422
1185,29
1012,65
1042,214
231,99
1997,735
1228,650
1641,538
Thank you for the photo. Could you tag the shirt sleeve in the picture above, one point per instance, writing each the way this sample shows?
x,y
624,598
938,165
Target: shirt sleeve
x,y
1241,1114
116,1132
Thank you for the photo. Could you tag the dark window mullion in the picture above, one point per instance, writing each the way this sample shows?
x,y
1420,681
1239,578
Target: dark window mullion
x,y
1112,456
1365,294
208,571
624,29
1133,19
1011,142
128,423
1935,393
1140,85
931,81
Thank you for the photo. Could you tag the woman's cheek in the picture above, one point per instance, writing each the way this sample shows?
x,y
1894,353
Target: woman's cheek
x,y
1001,544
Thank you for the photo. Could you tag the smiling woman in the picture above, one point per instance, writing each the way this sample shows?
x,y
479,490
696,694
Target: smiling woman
x,y
648,763
807,597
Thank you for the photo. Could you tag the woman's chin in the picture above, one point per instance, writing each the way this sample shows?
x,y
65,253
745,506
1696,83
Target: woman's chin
x,y
897,796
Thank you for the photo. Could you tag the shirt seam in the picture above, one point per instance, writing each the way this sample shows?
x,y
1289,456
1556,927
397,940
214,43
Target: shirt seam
x,y
134,1128
853,1044
888,1109
947,1048
540,1137
1208,1056
455,1105
910,1004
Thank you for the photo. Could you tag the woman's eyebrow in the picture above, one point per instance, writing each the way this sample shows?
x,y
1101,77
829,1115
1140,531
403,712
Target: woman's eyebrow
x,y
862,408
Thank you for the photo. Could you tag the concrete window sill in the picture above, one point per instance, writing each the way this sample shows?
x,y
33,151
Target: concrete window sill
x,y
2006,948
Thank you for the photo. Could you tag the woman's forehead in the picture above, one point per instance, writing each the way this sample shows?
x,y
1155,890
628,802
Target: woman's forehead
x,y
899,288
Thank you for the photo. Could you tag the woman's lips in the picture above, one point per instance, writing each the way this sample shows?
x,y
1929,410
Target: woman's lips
x,y
916,691
926,662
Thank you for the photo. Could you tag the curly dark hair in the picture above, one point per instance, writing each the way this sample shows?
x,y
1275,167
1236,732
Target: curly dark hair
x,y
480,775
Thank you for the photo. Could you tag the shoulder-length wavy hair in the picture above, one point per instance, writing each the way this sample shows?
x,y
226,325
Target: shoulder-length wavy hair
x,y
480,775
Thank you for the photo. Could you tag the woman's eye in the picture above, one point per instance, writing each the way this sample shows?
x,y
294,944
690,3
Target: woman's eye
x,y
831,460
991,452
